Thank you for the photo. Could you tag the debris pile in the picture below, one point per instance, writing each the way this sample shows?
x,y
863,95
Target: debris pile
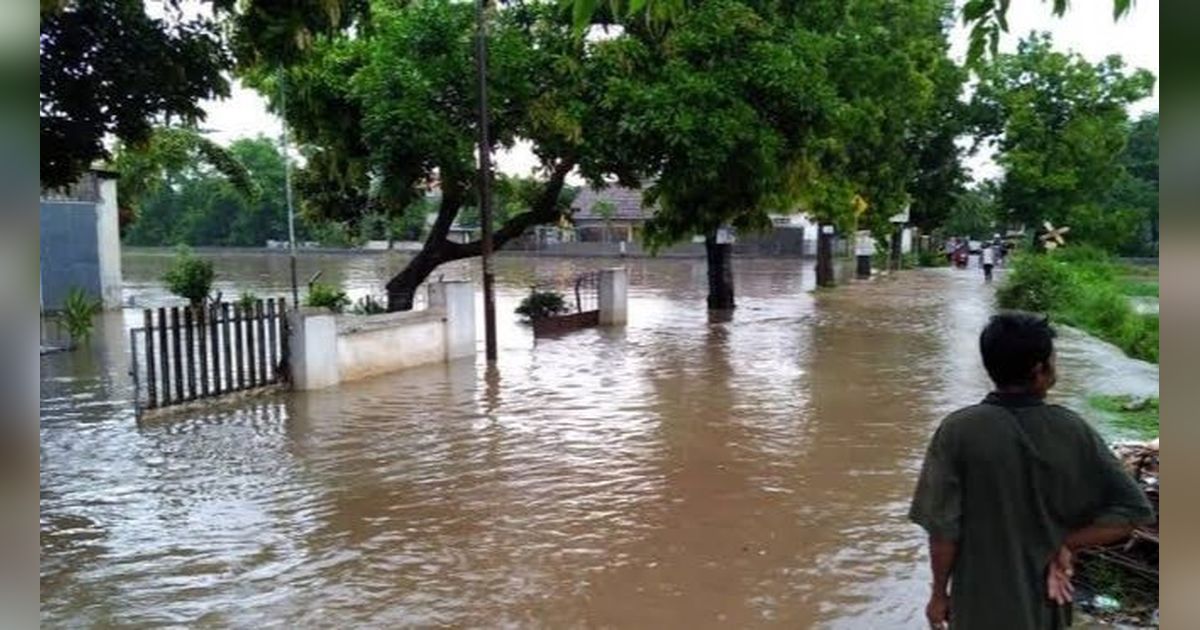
x,y
1119,583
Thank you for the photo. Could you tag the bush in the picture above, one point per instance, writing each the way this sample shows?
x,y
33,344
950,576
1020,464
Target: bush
x,y
932,258
247,300
1080,290
1036,283
541,304
368,305
323,295
77,315
190,277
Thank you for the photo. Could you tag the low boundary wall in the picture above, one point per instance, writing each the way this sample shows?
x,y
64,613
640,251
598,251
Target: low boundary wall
x,y
328,348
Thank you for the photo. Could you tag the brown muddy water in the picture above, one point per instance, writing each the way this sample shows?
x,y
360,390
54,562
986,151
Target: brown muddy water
x,y
682,471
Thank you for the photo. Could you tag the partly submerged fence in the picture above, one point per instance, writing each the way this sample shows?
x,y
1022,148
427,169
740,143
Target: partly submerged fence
x,y
582,301
182,354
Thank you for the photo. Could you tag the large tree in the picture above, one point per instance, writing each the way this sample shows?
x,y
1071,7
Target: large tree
x,y
1060,125
987,18
758,107
107,68
389,111
186,200
111,70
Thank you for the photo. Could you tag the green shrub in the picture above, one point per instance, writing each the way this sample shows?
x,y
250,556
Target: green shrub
x,y
1086,294
1082,254
540,304
368,305
931,258
189,277
1139,288
1035,283
247,300
323,295
78,315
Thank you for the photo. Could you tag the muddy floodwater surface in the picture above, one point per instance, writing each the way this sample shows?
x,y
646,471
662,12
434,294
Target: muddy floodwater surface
x,y
683,471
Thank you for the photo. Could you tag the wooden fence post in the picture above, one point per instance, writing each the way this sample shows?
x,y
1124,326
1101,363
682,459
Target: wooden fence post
x,y
284,342
214,337
260,322
164,355
225,345
202,336
273,375
239,347
190,353
151,386
178,352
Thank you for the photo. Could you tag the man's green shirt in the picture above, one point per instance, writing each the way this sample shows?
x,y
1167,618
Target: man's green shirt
x,y
1008,479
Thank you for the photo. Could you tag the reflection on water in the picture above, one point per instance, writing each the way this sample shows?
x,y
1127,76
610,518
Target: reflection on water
x,y
686,470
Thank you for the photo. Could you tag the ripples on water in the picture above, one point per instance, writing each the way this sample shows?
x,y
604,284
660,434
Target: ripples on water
x,y
681,471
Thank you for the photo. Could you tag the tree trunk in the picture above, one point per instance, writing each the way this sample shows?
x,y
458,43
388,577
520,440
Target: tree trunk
x,y
824,257
402,288
896,247
720,273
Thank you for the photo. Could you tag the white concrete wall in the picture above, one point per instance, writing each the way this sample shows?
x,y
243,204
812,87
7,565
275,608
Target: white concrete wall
x,y
108,236
368,345
328,349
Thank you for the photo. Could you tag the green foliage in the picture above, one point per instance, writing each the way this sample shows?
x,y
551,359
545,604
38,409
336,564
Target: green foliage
x,y
931,258
1137,415
1139,288
1061,127
146,167
388,111
182,199
247,300
334,234
989,18
108,68
189,277
541,304
1080,289
745,108
323,295
1037,283
368,305
78,315
974,213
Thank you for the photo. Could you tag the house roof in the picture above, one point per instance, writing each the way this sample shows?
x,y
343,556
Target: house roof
x,y
626,202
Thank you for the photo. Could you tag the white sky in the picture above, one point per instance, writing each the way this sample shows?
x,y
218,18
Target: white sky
x,y
1087,28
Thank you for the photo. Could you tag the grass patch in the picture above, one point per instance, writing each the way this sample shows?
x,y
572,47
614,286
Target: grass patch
x,y
1080,287
1137,287
1139,416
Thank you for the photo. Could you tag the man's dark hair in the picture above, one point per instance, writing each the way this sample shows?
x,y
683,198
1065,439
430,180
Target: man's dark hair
x,y
1013,343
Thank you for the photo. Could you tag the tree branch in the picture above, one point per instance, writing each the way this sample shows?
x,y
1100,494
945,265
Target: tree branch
x,y
545,210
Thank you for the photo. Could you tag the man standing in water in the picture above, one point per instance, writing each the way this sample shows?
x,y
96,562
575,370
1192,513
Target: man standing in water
x,y
1012,487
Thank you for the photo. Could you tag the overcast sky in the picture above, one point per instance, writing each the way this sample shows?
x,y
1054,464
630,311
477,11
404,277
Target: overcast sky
x,y
1087,28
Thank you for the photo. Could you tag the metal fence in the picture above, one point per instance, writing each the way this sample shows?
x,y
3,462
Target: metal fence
x,y
581,295
182,354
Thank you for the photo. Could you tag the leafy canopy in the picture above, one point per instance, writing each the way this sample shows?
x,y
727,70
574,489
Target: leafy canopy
x,y
1060,125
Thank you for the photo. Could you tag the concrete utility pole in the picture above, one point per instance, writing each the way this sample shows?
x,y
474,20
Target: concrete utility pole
x,y
485,182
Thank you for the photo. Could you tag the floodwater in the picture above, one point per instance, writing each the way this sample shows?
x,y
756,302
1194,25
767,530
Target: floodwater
x,y
682,471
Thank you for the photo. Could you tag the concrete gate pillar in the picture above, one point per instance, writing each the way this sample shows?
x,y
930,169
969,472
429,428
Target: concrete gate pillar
x,y
614,297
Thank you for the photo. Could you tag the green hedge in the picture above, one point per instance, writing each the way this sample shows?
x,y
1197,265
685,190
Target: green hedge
x,y
1080,287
